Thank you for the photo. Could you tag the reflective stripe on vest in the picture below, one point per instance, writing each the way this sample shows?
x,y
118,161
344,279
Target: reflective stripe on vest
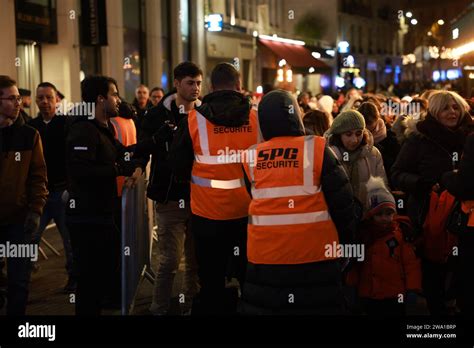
x,y
289,219
217,181
289,224
219,184
307,189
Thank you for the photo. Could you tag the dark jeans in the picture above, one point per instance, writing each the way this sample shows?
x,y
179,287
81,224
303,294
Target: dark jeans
x,y
18,270
96,245
221,250
55,209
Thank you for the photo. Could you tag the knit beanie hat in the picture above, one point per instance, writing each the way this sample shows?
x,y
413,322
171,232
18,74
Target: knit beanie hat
x,y
378,196
325,103
346,121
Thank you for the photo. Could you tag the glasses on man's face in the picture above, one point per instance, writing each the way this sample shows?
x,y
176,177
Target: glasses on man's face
x,y
14,98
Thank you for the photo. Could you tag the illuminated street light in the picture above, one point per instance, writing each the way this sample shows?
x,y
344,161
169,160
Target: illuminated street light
x,y
430,33
311,70
316,55
414,21
440,22
409,14
282,63
255,33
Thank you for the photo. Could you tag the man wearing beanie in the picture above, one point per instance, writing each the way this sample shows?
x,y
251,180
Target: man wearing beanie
x,y
390,273
301,202
354,147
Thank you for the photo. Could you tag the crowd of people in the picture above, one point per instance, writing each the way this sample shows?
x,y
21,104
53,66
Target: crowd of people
x,y
356,204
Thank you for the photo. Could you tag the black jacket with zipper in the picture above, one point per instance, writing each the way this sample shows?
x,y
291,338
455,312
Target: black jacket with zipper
x,y
93,158
163,185
53,136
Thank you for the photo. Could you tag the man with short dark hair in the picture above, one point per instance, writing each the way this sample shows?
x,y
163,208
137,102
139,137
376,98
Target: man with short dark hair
x,y
53,134
25,103
170,191
223,125
156,94
23,190
94,159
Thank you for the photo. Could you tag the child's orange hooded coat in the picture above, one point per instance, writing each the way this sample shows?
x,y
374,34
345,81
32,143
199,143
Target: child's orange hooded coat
x,y
390,266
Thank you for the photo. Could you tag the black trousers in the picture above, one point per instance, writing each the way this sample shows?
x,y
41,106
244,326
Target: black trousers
x,y
221,251
97,246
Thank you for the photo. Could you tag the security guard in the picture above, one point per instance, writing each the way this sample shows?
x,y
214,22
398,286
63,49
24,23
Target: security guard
x,y
210,147
302,204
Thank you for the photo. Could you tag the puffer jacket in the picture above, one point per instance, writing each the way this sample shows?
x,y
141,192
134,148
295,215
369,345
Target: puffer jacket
x,y
369,163
390,266
317,286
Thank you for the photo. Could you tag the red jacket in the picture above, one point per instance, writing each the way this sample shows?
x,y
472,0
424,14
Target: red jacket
x,y
390,266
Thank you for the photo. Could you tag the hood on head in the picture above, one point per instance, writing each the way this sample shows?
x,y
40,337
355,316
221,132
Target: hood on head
x,y
226,108
279,115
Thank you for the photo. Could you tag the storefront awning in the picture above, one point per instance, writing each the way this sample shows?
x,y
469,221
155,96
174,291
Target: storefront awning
x,y
297,56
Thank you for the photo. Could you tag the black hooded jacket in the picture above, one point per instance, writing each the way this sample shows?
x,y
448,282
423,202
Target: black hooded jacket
x,y
221,108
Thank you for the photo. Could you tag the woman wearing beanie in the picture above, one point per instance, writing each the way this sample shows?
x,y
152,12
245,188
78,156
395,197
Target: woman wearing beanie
x,y
432,150
354,146
390,272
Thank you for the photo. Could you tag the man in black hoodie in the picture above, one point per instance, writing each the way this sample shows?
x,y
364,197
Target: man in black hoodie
x,y
94,159
210,146
168,190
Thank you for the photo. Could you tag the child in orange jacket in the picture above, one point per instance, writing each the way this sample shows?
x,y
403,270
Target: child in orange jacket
x,y
390,269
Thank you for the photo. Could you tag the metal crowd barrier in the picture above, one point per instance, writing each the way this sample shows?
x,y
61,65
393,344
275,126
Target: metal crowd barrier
x,y
136,243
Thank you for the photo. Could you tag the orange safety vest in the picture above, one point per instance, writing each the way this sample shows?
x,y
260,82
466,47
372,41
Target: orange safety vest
x,y
289,222
217,180
468,208
126,133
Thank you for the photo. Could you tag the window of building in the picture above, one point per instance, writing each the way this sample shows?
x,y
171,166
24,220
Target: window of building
x,y
165,45
185,20
133,46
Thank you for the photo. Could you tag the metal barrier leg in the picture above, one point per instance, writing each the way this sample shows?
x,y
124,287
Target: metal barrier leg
x,y
43,253
48,244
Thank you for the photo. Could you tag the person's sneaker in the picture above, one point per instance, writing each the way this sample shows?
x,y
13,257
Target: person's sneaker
x,y
70,286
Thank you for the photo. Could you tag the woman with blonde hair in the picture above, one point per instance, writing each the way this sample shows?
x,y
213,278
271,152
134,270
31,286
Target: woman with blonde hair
x,y
429,152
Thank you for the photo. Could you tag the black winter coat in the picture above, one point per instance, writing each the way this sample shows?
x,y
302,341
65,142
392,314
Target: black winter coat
x,y
164,185
93,157
425,156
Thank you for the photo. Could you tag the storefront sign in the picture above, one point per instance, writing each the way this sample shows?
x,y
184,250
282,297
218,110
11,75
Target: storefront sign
x,y
93,23
36,21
